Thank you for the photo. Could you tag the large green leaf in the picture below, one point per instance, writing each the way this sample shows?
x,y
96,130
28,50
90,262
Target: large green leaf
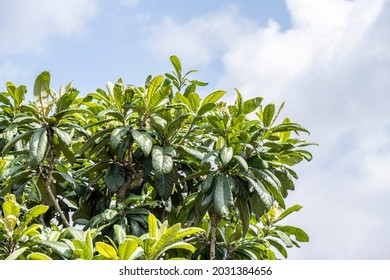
x,y
283,127
245,215
66,100
268,114
25,136
106,250
85,252
300,234
38,256
41,88
262,193
17,253
62,135
176,125
34,212
213,97
38,146
115,177
162,161
223,197
166,239
176,64
126,249
251,105
164,184
226,154
144,141
154,85
288,211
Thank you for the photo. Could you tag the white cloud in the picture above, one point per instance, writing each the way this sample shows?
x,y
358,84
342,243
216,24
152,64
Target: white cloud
x,y
198,40
333,68
26,25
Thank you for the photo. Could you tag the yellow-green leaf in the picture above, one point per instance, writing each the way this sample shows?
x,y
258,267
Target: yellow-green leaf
x,y
106,250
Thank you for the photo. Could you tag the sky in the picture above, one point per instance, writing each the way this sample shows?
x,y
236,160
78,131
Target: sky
x,y
328,59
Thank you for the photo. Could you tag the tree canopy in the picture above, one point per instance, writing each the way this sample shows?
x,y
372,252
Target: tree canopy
x,y
151,172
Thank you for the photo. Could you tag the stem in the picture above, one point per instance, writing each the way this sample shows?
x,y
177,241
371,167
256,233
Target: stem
x,y
49,177
214,219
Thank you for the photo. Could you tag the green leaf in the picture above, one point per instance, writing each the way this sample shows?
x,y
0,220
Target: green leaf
x,y
59,247
300,234
190,151
93,140
176,64
38,146
285,238
164,184
206,108
194,100
245,214
41,87
251,105
152,224
223,197
120,233
62,135
159,98
278,247
86,252
242,162
162,159
213,97
13,141
176,125
262,193
272,184
268,114
226,154
69,155
186,232
115,177
167,237
11,207
38,256
179,245
126,249
144,141
106,250
34,212
70,112
119,93
16,254
288,211
283,127
66,100
154,85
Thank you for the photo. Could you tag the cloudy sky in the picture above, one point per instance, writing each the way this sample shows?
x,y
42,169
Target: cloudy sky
x,y
328,59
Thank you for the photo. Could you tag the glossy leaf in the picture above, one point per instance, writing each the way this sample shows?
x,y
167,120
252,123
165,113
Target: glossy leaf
x,y
223,198
164,184
41,87
106,250
38,146
226,154
144,140
115,177
162,159
126,249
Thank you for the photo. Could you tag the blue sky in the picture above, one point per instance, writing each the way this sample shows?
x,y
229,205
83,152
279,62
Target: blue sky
x,y
328,59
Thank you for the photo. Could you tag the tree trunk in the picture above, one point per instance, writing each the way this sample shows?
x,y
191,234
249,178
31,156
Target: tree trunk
x,y
49,177
214,219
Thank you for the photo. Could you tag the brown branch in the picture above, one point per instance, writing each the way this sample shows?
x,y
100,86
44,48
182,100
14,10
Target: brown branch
x,y
48,178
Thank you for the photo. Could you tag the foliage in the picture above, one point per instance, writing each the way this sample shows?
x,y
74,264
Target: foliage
x,y
112,161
